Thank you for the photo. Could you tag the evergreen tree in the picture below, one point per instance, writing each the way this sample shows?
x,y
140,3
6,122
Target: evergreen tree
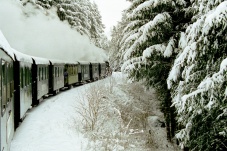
x,y
149,46
198,78
115,54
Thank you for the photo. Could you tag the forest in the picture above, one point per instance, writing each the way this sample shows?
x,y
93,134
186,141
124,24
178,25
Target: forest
x,y
179,48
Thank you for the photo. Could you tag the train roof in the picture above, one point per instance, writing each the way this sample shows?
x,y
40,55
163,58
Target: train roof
x,y
22,57
71,62
102,62
84,62
5,46
94,62
39,60
56,61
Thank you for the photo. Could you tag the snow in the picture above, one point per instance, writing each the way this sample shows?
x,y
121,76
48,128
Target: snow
x,y
149,51
217,15
22,57
5,45
55,125
50,126
223,64
39,60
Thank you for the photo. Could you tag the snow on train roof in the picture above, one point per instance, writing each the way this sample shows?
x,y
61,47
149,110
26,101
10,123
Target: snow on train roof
x,y
39,60
56,61
94,62
22,57
71,62
83,62
5,45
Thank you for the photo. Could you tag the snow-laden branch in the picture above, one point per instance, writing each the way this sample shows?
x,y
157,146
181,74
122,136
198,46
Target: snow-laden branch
x,y
148,30
131,64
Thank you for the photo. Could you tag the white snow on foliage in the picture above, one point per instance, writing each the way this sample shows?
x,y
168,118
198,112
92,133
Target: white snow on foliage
x,y
188,41
218,15
169,49
148,4
149,51
147,30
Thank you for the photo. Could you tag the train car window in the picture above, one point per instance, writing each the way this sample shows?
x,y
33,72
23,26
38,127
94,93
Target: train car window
x,y
25,76
42,76
55,71
69,70
45,73
3,72
3,83
58,72
22,78
39,73
0,84
30,75
73,70
47,69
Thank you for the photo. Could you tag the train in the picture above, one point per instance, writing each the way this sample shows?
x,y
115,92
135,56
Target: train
x,y
26,80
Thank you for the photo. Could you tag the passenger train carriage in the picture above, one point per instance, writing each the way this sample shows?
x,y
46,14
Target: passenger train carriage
x,y
94,67
56,71
22,85
26,80
6,94
84,72
40,79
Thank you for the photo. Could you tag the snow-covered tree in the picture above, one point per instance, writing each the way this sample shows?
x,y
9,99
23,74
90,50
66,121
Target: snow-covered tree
x,y
198,78
149,46
115,43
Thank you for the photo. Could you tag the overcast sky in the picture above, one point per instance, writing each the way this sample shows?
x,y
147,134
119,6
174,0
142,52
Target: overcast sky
x,y
111,11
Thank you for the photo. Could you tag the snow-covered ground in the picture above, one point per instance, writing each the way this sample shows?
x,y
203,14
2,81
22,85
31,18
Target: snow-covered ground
x,y
122,120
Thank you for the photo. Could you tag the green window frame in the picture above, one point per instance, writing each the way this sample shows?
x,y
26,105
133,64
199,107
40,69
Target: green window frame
x,y
4,81
21,77
39,70
1,84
